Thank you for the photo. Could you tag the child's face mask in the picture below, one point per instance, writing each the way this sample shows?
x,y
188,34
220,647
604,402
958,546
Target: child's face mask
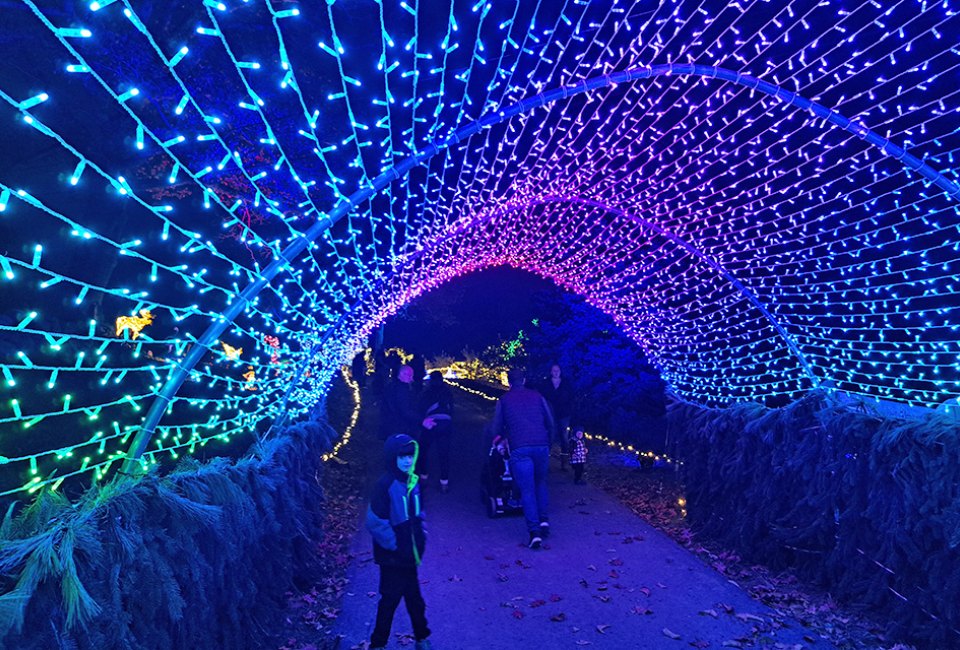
x,y
405,463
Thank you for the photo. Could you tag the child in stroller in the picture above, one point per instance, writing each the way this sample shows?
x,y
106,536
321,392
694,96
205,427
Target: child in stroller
x,y
499,492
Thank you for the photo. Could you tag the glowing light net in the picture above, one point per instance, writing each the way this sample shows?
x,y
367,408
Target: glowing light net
x,y
157,158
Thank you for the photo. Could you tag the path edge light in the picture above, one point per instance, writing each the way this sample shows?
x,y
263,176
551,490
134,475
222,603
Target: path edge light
x,y
295,248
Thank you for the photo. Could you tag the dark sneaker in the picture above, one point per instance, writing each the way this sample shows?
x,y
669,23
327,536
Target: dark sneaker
x,y
535,540
544,529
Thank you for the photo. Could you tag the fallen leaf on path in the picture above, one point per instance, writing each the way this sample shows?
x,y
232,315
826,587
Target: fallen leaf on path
x,y
372,594
727,608
616,562
640,609
502,578
700,643
614,573
591,567
644,591
661,585
538,603
518,614
709,612
732,644
555,598
750,617
558,618
455,578
582,642
671,635
602,629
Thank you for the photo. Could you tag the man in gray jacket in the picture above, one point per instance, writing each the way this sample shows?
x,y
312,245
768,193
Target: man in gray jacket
x,y
524,417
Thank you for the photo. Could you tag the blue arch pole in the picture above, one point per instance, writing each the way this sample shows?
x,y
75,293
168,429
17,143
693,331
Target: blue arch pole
x,y
294,249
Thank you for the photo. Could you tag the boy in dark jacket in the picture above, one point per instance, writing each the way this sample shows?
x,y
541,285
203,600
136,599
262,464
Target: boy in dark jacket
x,y
395,521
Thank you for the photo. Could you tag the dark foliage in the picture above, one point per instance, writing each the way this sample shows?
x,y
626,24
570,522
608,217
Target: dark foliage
x,y
867,507
199,558
618,393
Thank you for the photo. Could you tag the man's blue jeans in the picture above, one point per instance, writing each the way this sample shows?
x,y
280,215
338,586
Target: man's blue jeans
x,y
528,465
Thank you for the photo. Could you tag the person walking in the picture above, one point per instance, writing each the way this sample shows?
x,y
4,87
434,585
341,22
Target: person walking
x,y
437,404
358,368
400,412
395,522
578,454
524,417
419,365
559,394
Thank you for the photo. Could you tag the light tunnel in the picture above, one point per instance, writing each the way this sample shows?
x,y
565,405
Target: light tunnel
x,y
207,207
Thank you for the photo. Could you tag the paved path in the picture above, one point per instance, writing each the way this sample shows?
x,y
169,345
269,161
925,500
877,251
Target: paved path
x,y
604,579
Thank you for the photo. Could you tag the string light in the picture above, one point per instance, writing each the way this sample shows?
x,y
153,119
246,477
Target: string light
x,y
755,244
354,416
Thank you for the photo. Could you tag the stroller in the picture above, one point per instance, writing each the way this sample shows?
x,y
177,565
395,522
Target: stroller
x,y
499,492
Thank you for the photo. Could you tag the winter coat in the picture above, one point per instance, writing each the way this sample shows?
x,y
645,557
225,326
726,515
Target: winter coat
x,y
524,417
399,412
395,518
437,403
560,398
578,450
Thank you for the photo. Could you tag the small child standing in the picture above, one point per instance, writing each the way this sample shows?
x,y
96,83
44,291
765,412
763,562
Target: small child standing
x,y
395,521
578,454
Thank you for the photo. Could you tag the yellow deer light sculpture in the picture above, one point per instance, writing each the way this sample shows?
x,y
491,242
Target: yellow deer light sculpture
x,y
134,323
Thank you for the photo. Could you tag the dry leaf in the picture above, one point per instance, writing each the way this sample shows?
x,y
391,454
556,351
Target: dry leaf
x,y
709,612
700,643
555,598
732,644
558,618
582,642
518,614
602,629
640,609
644,591
538,603
591,567
671,635
750,617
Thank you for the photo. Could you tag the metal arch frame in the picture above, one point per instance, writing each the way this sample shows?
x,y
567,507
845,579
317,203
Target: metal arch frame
x,y
294,249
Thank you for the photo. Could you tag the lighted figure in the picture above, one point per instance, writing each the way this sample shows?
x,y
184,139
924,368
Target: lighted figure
x,y
273,342
134,323
232,353
251,376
